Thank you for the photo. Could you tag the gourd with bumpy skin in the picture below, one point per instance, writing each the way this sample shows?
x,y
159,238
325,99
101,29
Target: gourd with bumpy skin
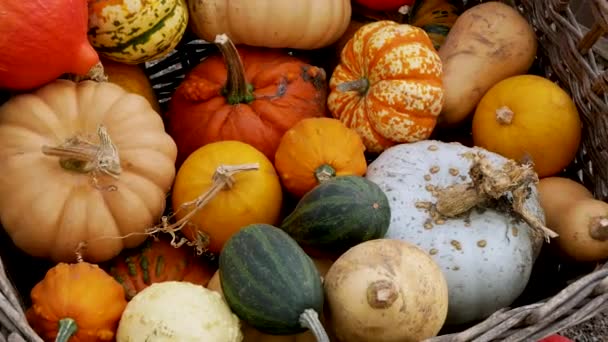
x,y
76,302
440,196
83,165
270,283
157,261
296,24
178,311
136,31
387,86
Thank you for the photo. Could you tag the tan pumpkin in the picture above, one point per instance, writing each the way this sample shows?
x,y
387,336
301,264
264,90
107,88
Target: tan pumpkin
x,y
221,188
529,116
317,149
298,24
387,86
76,302
82,163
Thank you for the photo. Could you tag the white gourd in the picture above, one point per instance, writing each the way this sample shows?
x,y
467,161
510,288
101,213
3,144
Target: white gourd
x,y
486,256
178,312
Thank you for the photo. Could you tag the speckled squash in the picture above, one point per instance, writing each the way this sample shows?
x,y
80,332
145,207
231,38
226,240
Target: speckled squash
x,y
486,255
388,85
136,31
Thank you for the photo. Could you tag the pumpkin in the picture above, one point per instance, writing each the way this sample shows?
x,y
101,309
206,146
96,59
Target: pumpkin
x,y
435,17
384,5
156,261
136,31
299,24
251,95
528,116
41,41
464,206
315,150
83,165
132,78
76,302
387,86
178,311
222,187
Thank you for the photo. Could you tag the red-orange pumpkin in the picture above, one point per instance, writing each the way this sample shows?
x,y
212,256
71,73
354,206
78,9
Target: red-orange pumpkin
x,y
157,261
252,95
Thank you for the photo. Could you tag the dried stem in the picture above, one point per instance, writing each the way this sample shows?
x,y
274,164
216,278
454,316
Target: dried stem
x,y
79,155
361,86
489,184
97,74
223,178
310,319
236,90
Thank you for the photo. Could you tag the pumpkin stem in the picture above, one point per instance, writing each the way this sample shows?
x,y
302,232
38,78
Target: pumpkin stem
x,y
236,90
504,115
310,319
67,328
491,186
361,86
324,173
96,73
381,294
598,229
222,178
79,155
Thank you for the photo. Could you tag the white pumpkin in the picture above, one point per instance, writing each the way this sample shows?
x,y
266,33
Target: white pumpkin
x,y
178,311
486,255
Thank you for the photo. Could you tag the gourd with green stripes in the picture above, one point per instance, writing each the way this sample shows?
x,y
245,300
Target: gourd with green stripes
x,y
134,32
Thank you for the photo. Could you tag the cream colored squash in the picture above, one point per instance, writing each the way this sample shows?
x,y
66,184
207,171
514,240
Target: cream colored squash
x,y
83,164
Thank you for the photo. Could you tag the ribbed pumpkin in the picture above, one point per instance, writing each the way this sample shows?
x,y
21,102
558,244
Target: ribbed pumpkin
x,y
315,150
157,261
388,86
76,302
136,31
221,188
297,24
251,95
436,17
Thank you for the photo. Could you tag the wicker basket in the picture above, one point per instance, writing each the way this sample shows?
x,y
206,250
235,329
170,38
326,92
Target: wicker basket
x,y
569,54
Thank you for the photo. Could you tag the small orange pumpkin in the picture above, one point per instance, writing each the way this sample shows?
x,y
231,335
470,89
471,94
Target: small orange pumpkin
x,y
388,85
529,116
317,149
76,302
222,187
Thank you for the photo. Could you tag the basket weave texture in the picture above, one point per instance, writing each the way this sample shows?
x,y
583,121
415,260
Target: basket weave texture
x,y
568,55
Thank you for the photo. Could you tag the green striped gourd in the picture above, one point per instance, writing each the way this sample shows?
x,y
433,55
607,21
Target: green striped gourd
x,y
270,283
134,32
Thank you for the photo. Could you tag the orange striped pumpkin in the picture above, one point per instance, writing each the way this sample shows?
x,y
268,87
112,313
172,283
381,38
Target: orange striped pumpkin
x,y
387,86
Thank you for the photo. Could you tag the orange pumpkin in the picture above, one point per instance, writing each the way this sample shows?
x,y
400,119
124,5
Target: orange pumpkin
x,y
317,149
252,95
222,187
388,85
157,261
132,79
76,302
529,116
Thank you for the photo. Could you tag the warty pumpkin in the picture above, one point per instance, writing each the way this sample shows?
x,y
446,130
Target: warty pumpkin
x,y
387,86
250,95
221,188
82,164
136,31
76,302
156,261
315,150
528,116
296,24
